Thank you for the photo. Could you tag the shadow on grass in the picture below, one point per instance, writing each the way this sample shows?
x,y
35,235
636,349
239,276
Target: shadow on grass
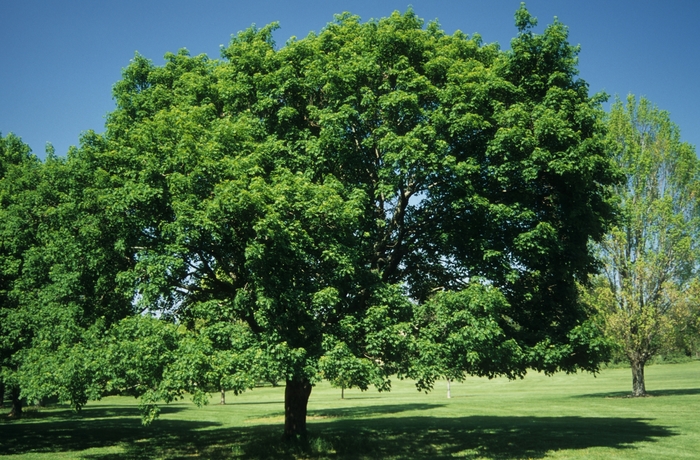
x,y
63,413
63,430
365,411
628,394
418,437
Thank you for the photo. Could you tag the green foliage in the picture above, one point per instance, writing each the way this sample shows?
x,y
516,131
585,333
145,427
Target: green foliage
x,y
17,172
376,199
458,334
648,289
60,259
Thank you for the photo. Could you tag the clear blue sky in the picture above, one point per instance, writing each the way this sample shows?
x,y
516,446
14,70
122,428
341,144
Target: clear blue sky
x,y
61,58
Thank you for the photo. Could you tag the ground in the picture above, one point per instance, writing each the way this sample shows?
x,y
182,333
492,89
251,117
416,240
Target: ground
x,y
565,416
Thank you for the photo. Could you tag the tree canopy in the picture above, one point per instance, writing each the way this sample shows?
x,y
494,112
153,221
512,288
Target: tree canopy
x,y
60,259
376,199
649,285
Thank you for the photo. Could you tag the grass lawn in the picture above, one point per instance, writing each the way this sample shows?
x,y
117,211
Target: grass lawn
x,y
565,416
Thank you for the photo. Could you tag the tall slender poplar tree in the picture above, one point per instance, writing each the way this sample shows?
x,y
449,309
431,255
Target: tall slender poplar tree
x,y
650,259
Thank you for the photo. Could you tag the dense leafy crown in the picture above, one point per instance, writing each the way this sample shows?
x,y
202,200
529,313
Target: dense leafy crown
x,y
379,197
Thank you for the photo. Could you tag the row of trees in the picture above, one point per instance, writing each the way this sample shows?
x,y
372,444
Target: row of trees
x,y
379,199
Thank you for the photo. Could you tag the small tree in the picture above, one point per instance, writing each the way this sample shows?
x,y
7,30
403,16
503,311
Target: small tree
x,y
18,172
343,369
458,333
650,259
60,261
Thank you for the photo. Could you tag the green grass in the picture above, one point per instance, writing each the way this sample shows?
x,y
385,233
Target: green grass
x,y
565,416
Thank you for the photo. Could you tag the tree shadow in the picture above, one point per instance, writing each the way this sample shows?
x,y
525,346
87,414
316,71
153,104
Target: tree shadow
x,y
418,437
65,413
64,430
627,394
365,411
425,437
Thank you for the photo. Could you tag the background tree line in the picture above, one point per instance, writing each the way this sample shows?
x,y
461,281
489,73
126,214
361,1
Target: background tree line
x,y
379,199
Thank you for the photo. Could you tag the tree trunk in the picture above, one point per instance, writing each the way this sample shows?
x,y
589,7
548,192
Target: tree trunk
x,y
16,404
2,394
296,398
223,397
449,392
638,387
342,392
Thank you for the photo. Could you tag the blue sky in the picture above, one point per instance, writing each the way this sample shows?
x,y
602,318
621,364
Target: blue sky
x,y
60,59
